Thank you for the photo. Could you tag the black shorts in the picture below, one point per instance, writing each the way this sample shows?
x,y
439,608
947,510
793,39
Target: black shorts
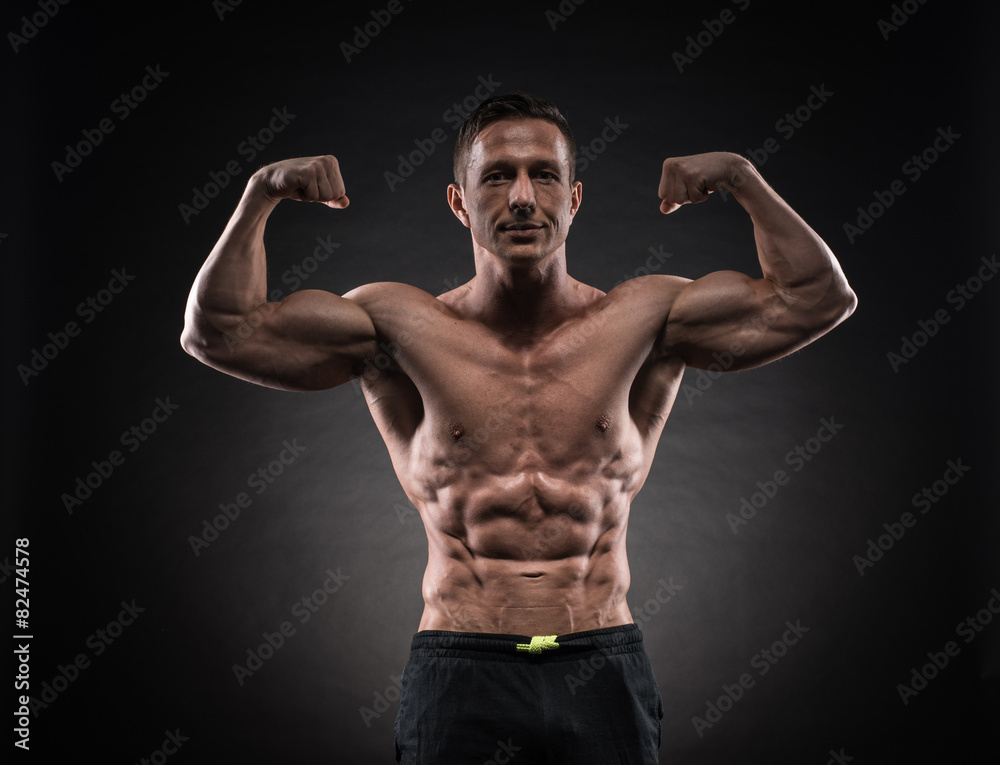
x,y
472,698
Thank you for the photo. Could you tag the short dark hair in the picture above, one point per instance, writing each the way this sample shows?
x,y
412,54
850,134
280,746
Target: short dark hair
x,y
514,105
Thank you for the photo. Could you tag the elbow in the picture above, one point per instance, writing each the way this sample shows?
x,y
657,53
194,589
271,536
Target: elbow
x,y
837,300
196,342
828,308
200,337
839,306
852,302
192,344
848,302
192,341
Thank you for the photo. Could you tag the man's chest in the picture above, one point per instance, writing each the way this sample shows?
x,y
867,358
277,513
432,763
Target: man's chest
x,y
463,391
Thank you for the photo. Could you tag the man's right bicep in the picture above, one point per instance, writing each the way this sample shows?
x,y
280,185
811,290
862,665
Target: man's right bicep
x,y
311,340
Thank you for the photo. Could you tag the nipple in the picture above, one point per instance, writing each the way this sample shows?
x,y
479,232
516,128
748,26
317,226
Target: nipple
x,y
602,425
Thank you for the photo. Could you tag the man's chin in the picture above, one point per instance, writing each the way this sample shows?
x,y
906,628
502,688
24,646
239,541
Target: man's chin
x,y
537,248
522,255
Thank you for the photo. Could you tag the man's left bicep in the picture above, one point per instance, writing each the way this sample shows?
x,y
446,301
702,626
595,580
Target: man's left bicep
x,y
727,321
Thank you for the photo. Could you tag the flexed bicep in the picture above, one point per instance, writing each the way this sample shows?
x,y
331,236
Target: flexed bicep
x,y
730,320
748,322
311,340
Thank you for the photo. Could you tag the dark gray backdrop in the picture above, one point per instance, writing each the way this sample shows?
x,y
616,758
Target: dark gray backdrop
x,y
136,636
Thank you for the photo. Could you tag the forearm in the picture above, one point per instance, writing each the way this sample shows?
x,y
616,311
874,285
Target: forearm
x,y
232,283
792,256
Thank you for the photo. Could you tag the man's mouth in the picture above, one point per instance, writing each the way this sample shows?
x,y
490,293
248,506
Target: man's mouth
x,y
523,230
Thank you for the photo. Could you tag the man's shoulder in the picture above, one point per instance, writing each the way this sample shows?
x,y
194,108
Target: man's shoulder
x,y
374,292
660,288
386,299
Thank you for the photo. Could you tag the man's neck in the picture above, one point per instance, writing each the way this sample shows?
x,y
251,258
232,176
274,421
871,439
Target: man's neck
x,y
525,302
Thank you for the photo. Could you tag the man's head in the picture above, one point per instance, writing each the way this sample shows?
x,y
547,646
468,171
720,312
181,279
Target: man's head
x,y
515,186
515,105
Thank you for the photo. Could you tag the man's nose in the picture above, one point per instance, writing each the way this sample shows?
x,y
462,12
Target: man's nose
x,y
522,193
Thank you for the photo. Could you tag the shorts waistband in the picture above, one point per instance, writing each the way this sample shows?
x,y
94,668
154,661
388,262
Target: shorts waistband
x,y
624,638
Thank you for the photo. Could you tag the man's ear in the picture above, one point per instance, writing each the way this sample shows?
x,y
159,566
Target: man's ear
x,y
457,204
576,198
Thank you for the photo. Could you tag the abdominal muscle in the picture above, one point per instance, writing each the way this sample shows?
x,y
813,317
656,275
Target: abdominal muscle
x,y
526,555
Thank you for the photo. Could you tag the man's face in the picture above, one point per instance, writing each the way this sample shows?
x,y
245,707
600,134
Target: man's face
x,y
517,198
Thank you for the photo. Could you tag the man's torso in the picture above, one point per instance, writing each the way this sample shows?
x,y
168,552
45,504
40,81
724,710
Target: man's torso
x,y
522,454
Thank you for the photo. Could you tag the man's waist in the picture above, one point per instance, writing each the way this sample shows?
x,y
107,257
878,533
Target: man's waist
x,y
624,638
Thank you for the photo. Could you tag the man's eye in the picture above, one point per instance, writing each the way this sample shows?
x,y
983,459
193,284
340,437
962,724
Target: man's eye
x,y
494,177
546,175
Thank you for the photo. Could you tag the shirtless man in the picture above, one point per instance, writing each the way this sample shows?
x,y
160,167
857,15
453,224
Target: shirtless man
x,y
521,412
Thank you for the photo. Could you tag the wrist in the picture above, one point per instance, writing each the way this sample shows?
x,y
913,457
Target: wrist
x,y
257,194
742,176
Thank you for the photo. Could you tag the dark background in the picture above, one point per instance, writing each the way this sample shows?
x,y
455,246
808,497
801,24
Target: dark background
x,y
338,507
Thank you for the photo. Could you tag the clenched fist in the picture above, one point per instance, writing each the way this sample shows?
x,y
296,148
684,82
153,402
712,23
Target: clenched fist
x,y
691,179
306,179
